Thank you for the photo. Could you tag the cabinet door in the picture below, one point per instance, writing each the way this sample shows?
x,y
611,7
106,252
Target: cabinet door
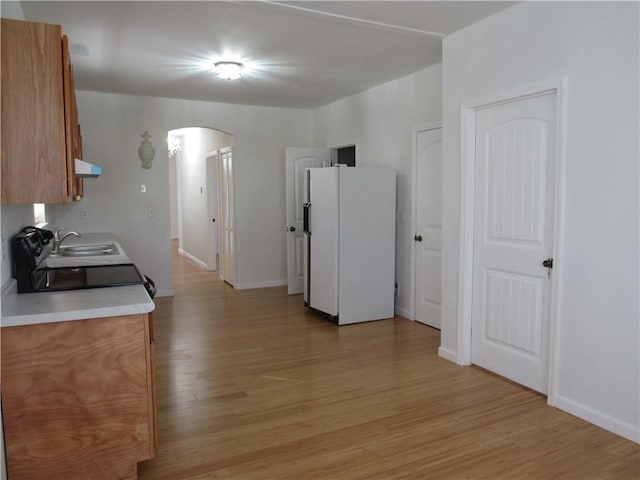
x,y
76,399
79,180
152,383
71,123
33,152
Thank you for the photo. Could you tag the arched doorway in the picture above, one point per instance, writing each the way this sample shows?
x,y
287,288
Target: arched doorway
x,y
200,190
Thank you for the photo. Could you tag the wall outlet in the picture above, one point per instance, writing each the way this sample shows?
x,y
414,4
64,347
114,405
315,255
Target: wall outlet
x,y
151,212
143,188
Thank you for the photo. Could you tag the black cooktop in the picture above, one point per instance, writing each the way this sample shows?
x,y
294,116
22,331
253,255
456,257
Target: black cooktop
x,y
94,276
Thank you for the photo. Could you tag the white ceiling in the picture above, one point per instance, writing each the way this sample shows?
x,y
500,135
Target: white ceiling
x,y
300,54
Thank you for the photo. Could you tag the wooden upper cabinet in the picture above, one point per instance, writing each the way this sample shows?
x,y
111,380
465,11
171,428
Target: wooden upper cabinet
x,y
72,127
39,117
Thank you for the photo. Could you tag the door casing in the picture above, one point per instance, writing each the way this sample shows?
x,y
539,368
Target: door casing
x,y
467,227
227,267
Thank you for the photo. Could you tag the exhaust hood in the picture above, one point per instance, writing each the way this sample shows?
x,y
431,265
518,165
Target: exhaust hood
x,y
85,169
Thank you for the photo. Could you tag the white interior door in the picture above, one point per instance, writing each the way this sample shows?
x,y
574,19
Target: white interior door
x,y
212,211
428,235
297,160
513,235
228,273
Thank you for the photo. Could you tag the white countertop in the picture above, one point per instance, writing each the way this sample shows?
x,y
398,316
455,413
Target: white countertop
x,y
47,307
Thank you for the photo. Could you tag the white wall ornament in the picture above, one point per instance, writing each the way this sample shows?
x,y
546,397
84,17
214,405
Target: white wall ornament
x,y
146,151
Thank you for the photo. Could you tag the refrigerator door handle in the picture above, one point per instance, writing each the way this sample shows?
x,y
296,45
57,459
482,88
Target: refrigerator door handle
x,y
307,212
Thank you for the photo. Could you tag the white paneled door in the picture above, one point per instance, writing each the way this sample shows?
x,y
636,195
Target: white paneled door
x,y
297,160
428,236
213,217
228,217
513,237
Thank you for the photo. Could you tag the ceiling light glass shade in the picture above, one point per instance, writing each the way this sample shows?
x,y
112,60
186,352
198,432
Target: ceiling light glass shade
x,y
228,70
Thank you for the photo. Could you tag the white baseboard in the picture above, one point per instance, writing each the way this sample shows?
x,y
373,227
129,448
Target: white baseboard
x,y
626,430
270,283
195,260
403,312
448,354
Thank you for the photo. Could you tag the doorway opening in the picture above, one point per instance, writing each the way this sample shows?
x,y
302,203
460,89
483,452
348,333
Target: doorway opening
x,y
344,156
199,184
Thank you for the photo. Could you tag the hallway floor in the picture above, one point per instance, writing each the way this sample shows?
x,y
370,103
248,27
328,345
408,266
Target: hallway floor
x,y
252,386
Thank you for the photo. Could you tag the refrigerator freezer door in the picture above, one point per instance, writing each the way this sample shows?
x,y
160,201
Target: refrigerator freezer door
x,y
323,241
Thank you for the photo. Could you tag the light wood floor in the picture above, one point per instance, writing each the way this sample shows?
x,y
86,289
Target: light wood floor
x,y
252,386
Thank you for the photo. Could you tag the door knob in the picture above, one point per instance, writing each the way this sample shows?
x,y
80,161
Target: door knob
x,y
291,229
548,264
418,238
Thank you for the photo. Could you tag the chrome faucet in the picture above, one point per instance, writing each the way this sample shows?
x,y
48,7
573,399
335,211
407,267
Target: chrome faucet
x,y
57,240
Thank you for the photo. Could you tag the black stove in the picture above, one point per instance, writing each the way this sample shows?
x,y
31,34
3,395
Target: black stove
x,y
30,249
94,276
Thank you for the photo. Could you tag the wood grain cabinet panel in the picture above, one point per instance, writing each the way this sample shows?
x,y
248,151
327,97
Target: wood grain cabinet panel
x,y
72,127
78,398
39,117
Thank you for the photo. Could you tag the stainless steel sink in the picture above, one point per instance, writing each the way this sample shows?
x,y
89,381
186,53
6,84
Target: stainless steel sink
x,y
87,250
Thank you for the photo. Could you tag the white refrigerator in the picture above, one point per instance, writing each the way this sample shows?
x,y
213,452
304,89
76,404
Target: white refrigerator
x,y
349,251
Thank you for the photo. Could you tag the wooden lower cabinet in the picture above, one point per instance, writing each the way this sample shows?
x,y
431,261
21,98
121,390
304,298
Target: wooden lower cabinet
x,y
78,398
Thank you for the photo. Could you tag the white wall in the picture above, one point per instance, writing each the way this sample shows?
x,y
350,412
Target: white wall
x,y
11,9
14,218
193,205
173,197
111,129
380,121
595,45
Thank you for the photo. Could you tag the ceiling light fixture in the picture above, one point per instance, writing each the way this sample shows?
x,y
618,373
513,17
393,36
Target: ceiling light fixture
x,y
174,144
228,70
